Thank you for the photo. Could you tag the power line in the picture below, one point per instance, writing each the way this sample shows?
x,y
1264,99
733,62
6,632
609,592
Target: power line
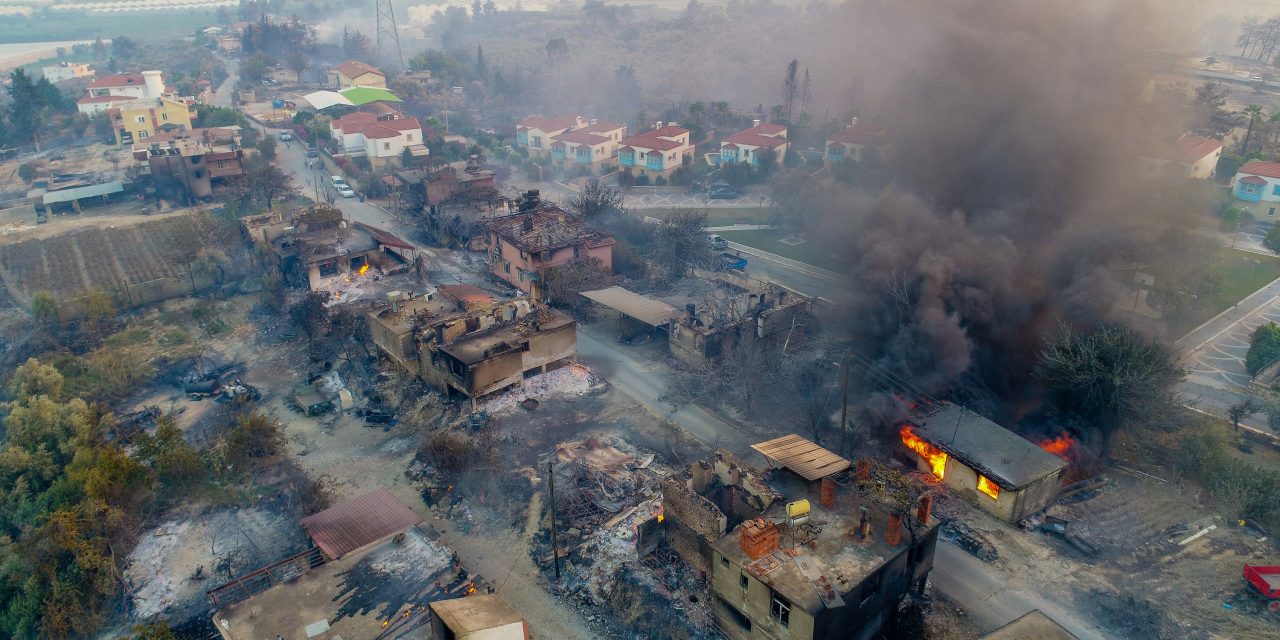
x,y
388,36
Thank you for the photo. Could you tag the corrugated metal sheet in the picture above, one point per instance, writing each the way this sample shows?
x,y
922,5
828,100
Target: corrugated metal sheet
x,y
647,310
67,195
353,524
802,456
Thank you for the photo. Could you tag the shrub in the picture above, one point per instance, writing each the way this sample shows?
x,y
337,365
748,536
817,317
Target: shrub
x,y
1264,347
254,438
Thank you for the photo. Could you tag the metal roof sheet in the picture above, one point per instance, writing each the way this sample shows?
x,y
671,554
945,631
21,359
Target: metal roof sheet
x,y
647,310
365,95
355,523
1007,458
325,99
76,193
802,456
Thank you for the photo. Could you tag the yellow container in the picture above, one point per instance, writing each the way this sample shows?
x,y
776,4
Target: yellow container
x,y
797,509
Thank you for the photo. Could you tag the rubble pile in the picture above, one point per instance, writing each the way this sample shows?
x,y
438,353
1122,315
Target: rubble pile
x,y
573,380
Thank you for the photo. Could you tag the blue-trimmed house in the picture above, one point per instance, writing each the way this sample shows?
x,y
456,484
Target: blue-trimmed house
x,y
1256,187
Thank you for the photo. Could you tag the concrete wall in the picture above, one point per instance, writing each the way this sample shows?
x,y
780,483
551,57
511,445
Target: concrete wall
x,y
1010,505
1036,496
753,603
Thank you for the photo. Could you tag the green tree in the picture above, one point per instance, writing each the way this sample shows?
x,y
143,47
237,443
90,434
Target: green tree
x,y
267,147
28,171
1252,111
680,244
1264,347
1272,239
1110,377
254,438
176,463
44,309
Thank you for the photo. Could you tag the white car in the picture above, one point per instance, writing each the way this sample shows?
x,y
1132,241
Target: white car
x,y
286,136
337,180
346,192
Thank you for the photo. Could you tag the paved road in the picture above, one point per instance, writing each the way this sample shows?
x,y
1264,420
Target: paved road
x,y
806,279
640,381
1214,354
987,598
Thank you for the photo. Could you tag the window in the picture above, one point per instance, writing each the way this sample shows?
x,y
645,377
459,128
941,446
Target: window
x,y
386,146
870,588
222,164
1275,191
164,116
780,610
409,137
327,269
1251,189
142,134
988,487
577,251
724,562
743,582
140,119
195,159
1271,212
536,142
506,267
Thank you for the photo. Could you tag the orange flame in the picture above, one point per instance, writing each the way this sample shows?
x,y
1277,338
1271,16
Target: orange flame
x,y
363,269
661,517
988,487
1059,446
936,458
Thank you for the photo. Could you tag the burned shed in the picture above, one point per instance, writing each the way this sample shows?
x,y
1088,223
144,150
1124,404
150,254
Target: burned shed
x,y
1005,474
772,315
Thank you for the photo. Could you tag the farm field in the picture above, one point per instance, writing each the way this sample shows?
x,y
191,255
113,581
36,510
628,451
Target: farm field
x,y
96,258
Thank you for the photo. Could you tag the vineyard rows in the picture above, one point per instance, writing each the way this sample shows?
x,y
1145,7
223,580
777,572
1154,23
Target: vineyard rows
x,y
103,259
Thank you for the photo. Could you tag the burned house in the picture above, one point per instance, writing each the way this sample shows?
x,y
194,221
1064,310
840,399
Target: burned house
x,y
375,570
540,236
1003,473
188,165
477,617
459,342
316,242
803,550
772,316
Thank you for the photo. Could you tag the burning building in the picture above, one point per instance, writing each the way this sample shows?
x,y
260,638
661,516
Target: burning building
x,y
772,315
469,343
1005,474
802,550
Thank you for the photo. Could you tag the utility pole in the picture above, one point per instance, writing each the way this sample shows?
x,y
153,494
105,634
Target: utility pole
x,y
388,36
844,407
555,544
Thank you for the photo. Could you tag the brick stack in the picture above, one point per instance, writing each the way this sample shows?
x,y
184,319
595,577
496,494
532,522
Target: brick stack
x,y
759,538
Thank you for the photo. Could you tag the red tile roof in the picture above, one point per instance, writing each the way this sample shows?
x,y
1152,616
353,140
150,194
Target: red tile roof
x,y
559,123
602,127
658,139
353,524
1252,180
354,69
385,237
119,80
669,131
87,99
370,126
755,140
1186,150
547,229
1262,168
578,136
767,129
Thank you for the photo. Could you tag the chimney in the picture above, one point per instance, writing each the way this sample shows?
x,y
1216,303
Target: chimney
x,y
658,124
864,525
755,122
595,121
893,534
827,497
925,509
690,310
864,469
758,538
535,292
853,122
526,224
155,84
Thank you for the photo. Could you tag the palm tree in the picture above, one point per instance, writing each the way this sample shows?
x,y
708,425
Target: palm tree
x,y
1253,111
719,111
696,111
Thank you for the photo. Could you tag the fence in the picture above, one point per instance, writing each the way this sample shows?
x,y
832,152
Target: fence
x,y
255,582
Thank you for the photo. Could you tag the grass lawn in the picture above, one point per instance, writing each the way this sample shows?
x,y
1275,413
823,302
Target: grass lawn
x,y
1244,273
720,216
770,240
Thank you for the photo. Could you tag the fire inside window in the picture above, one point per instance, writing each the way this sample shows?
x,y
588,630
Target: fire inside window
x,y
936,458
988,487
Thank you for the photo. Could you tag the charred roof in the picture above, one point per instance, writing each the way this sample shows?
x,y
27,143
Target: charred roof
x,y
545,227
1002,455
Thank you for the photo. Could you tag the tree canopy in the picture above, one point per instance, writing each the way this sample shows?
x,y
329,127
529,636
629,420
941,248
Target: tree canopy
x,y
1264,348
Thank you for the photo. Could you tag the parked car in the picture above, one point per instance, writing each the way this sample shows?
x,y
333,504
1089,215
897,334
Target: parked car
x,y
337,180
732,261
722,191
312,153
286,136
717,242
346,192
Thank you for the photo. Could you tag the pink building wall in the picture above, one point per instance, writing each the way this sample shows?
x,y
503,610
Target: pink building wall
x,y
511,255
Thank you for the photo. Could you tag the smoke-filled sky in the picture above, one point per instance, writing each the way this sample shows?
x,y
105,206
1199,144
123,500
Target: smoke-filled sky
x,y
1013,126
